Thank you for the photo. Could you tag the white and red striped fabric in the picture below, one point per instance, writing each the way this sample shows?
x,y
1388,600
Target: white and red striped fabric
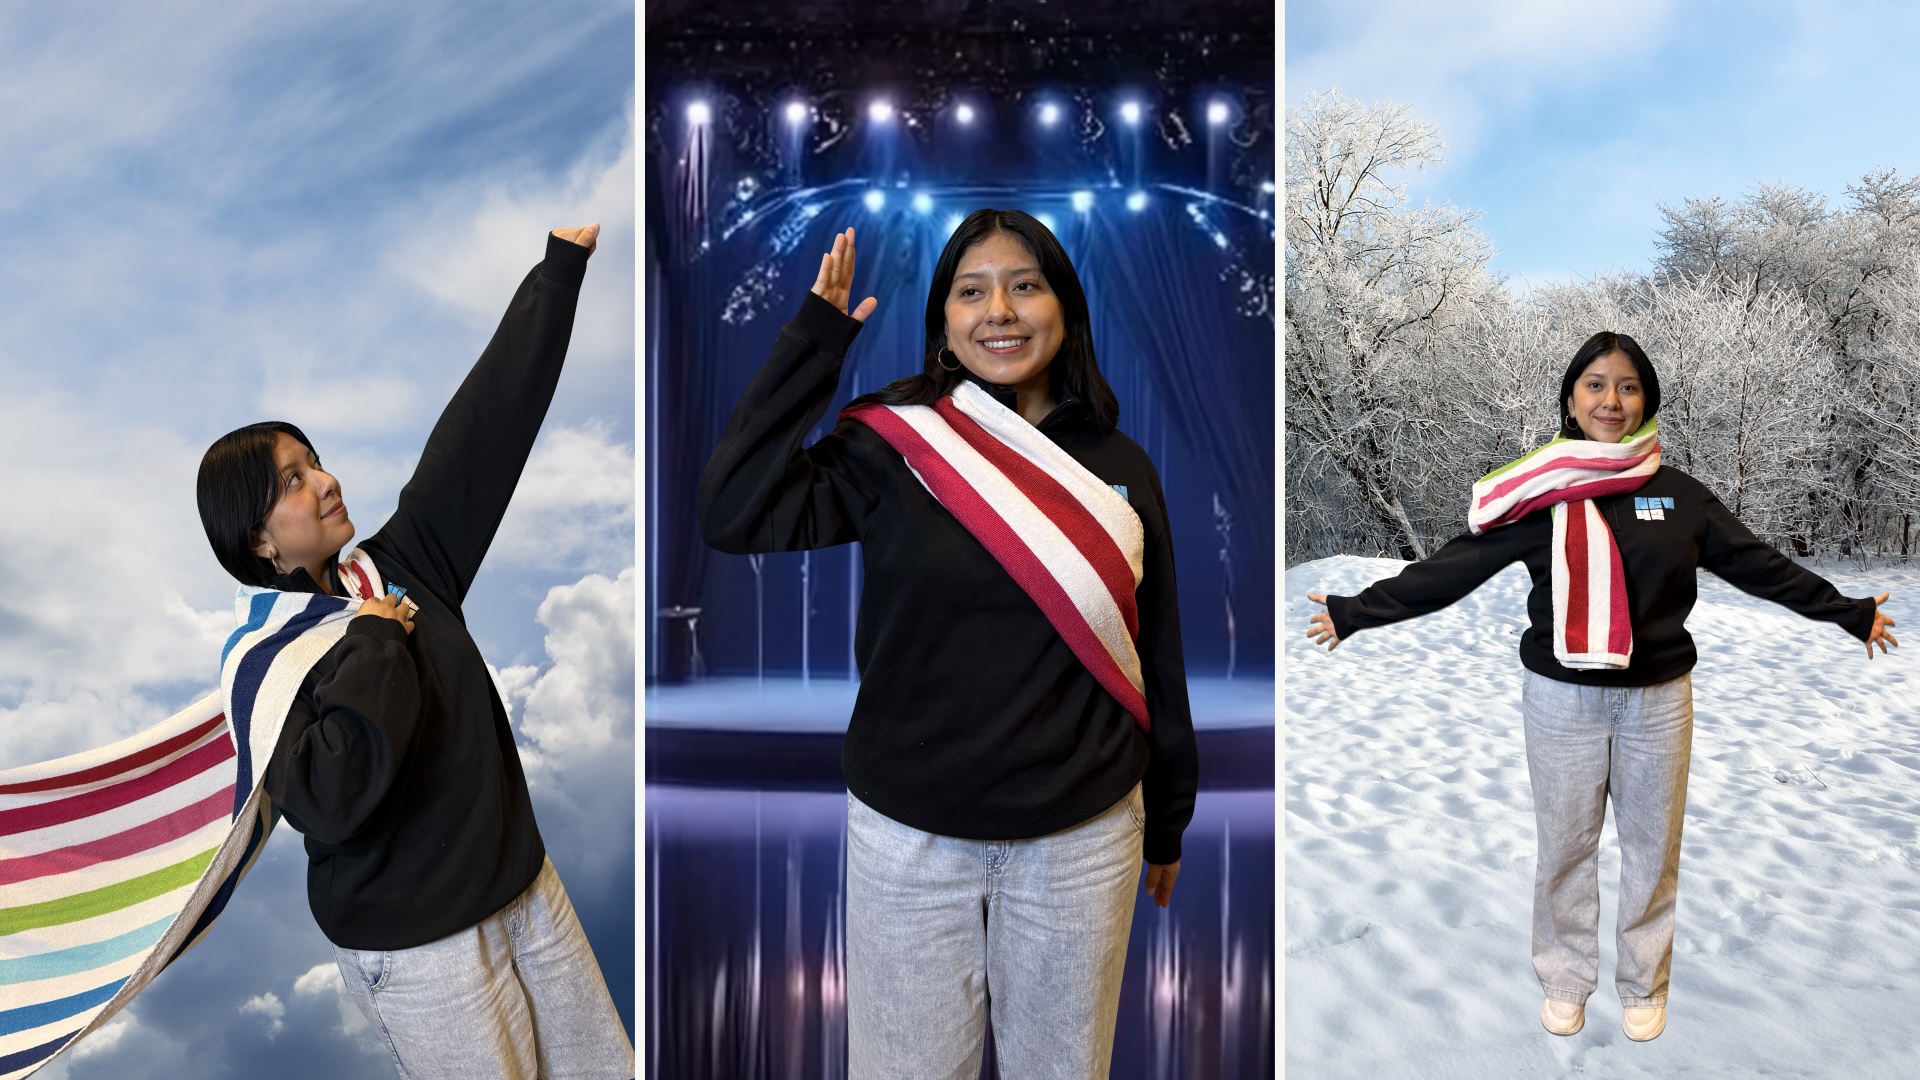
x,y
1065,535
1591,624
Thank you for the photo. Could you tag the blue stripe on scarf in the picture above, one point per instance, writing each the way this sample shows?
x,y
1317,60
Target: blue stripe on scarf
x,y
53,965
246,686
14,1021
258,609
33,1055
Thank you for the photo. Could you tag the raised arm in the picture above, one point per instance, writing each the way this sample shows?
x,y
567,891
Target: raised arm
x,y
762,491
450,509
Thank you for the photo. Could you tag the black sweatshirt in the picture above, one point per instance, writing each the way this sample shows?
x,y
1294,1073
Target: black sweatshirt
x,y
974,719
1660,549
397,760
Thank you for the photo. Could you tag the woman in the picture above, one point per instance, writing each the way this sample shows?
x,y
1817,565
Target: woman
x,y
396,760
1613,540
1021,737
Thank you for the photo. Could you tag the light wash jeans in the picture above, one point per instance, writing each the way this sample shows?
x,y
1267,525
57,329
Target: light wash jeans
x,y
1585,745
941,931
517,996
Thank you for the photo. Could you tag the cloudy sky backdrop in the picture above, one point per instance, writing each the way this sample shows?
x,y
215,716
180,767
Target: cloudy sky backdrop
x,y
213,214
1567,121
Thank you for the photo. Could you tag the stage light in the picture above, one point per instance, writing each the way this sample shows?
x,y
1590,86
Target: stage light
x,y
923,203
1217,113
1049,114
964,114
1220,239
699,114
1083,201
1137,201
953,222
875,200
1130,112
880,112
797,113
1266,187
1047,220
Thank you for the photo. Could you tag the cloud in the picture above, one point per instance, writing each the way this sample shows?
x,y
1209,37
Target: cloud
x,y
1459,63
323,982
268,1007
573,510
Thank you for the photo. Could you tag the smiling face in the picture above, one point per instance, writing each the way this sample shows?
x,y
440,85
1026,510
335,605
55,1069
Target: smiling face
x,y
1608,401
1003,320
308,524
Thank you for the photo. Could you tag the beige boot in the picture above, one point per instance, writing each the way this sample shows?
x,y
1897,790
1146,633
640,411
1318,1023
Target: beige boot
x,y
1562,1018
1643,1023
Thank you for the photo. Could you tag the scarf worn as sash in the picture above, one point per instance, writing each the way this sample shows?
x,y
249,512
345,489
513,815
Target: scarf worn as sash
x,y
1591,626
1064,535
115,861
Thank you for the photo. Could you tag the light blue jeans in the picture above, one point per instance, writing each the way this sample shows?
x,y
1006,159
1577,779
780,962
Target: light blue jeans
x,y
1586,745
516,997
941,931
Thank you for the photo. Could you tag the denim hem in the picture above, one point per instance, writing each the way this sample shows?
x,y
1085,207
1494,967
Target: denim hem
x,y
1657,1001
1571,997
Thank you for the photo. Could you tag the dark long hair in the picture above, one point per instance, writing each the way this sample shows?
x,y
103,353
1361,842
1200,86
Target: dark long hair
x,y
1073,372
237,487
1597,346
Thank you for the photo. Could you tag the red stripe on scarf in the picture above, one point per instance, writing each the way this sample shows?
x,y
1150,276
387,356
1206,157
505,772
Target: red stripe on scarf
x,y
1577,555
129,763
1619,624
1612,485
1058,504
366,587
973,512
142,837
61,811
1602,463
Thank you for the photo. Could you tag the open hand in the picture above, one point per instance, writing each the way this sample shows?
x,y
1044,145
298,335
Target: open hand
x,y
835,283
1881,634
586,236
1159,882
1320,627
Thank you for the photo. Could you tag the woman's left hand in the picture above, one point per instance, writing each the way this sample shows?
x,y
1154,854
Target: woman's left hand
x,y
1160,880
1880,632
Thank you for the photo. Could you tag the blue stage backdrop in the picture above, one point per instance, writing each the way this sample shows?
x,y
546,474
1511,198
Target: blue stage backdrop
x,y
1150,155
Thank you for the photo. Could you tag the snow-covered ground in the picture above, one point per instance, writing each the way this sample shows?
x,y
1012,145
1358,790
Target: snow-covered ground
x,y
1410,849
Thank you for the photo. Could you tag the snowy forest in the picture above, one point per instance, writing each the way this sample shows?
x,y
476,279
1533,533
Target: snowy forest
x,y
1785,330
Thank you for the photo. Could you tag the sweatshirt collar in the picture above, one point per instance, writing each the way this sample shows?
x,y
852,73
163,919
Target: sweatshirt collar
x,y
1066,407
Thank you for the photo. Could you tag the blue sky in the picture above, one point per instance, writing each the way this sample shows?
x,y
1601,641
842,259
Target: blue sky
x,y
1568,122
212,214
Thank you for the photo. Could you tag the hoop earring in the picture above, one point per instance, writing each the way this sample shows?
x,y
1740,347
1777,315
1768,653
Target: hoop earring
x,y
1570,424
940,358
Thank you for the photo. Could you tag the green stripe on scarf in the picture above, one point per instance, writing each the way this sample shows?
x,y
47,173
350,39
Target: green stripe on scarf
x,y
105,900
1554,442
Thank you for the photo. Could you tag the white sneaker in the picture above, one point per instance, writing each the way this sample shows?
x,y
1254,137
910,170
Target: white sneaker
x,y
1643,1023
1562,1018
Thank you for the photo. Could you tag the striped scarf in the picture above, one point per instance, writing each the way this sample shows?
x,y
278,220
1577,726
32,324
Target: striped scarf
x,y
1064,535
1591,625
115,861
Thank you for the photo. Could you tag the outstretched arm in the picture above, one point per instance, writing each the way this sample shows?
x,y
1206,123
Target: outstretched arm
x,y
450,509
1731,551
1441,579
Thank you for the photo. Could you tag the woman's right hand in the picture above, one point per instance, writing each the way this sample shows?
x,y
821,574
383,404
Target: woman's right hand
x,y
392,607
1320,627
835,283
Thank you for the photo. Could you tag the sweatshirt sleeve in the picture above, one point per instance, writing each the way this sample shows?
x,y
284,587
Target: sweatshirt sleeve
x,y
1173,767
346,733
1744,561
451,507
1461,566
761,491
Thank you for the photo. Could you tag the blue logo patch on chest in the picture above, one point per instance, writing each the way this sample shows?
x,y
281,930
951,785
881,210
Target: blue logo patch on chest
x,y
1121,488
1652,508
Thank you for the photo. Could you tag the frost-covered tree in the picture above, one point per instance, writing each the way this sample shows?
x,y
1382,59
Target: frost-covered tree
x,y
1372,283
